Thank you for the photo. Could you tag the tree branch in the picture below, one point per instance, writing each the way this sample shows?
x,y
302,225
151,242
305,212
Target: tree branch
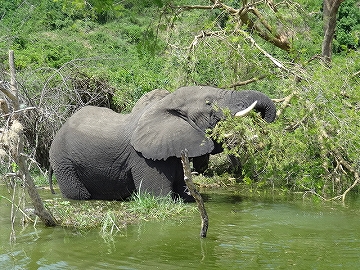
x,y
268,34
275,38
272,59
204,34
8,93
189,7
341,160
356,74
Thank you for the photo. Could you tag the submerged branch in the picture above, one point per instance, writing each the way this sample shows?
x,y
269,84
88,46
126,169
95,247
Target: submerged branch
x,y
337,155
342,161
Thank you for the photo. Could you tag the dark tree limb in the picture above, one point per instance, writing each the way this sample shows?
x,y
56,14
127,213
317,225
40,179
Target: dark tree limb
x,y
330,9
193,191
266,32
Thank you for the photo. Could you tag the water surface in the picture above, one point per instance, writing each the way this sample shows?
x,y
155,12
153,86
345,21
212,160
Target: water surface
x,y
243,234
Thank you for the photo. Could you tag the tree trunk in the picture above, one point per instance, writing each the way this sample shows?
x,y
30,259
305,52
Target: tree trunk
x,y
330,9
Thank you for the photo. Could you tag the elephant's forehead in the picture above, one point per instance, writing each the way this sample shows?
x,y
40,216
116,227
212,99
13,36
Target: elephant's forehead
x,y
192,97
197,91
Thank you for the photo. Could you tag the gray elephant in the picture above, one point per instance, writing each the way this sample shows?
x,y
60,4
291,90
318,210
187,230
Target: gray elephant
x,y
101,154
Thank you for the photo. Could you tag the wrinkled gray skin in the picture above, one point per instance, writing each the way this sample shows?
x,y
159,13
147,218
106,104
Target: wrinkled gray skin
x,y
100,154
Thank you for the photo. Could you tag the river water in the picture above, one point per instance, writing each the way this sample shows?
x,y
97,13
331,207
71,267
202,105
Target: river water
x,y
243,234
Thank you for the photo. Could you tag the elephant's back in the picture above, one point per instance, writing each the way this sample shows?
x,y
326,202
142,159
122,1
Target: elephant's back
x,y
90,129
96,120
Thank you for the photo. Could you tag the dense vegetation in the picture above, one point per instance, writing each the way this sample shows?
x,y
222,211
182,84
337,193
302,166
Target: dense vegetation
x,y
72,53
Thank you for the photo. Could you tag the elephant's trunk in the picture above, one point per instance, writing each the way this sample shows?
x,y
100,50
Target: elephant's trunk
x,y
267,109
245,101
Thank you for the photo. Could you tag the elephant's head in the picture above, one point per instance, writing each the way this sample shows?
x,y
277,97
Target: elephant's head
x,y
179,120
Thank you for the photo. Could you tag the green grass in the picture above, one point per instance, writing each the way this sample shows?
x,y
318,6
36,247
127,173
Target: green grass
x,y
113,216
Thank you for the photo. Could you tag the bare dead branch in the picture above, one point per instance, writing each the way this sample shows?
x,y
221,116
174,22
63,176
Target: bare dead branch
x,y
275,38
241,83
8,92
272,59
18,111
247,36
204,34
356,74
189,7
13,86
285,102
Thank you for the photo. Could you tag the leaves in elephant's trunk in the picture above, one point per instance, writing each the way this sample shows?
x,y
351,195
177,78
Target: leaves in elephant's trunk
x,y
240,137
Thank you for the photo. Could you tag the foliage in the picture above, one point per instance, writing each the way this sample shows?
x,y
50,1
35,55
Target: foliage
x,y
348,27
97,10
300,150
68,52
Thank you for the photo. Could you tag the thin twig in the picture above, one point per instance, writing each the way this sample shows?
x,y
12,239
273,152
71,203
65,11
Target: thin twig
x,y
18,111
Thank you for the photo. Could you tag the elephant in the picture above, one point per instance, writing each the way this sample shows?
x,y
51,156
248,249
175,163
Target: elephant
x,y
104,155
200,164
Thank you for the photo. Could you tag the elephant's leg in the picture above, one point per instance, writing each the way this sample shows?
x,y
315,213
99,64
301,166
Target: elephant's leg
x,y
236,164
70,185
148,177
201,163
160,177
179,188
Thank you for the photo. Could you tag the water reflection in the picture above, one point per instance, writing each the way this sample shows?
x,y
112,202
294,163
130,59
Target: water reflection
x,y
242,234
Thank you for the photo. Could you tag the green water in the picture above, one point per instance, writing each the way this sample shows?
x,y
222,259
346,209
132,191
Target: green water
x,y
243,234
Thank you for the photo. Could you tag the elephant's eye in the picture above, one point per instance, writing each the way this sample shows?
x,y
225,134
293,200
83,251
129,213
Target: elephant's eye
x,y
207,102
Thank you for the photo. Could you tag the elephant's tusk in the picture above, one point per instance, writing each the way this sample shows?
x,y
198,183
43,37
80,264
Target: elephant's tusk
x,y
247,110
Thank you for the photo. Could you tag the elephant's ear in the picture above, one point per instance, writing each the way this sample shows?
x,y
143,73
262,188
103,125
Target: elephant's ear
x,y
165,133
